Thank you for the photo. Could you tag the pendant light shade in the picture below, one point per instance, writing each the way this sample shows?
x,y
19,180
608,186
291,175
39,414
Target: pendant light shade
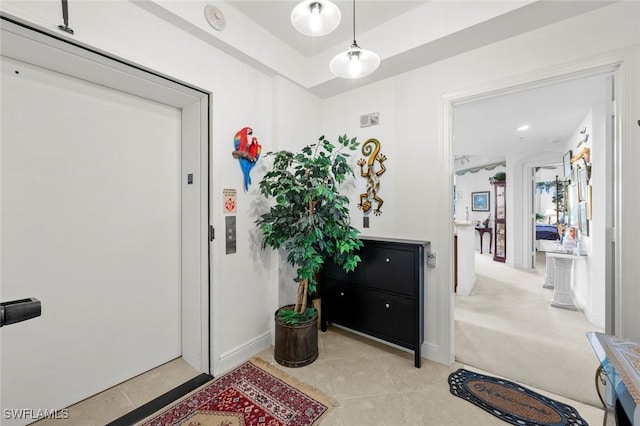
x,y
315,17
355,62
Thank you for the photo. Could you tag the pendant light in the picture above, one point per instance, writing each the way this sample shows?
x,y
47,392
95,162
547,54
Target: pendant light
x,y
315,17
355,62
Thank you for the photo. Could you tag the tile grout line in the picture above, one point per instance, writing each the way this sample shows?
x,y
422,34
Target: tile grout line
x,y
126,396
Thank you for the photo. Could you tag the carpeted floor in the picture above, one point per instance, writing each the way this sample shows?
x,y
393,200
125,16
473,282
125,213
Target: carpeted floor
x,y
507,327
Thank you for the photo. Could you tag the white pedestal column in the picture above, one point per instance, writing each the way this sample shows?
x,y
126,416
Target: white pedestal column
x,y
562,294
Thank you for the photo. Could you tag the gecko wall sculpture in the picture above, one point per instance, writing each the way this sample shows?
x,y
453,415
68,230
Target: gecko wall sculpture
x,y
371,148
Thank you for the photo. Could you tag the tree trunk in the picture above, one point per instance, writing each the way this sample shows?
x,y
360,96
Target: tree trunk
x,y
301,297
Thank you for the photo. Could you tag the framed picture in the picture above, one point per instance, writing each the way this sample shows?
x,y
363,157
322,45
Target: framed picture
x,y
566,164
583,221
572,205
589,192
480,201
582,184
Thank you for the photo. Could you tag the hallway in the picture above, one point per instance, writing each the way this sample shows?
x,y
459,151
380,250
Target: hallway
x,y
507,327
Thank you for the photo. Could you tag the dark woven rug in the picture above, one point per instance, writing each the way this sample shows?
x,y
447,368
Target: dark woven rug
x,y
511,402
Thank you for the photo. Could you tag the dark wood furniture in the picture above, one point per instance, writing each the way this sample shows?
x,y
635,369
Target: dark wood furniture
x,y
500,221
383,297
482,231
455,263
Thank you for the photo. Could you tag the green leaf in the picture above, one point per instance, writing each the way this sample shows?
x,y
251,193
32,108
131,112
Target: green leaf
x,y
310,175
288,316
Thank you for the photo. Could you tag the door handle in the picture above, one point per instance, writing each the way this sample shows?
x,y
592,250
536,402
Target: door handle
x,y
19,310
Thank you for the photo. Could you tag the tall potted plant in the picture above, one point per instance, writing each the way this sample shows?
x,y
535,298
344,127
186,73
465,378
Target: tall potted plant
x,y
310,221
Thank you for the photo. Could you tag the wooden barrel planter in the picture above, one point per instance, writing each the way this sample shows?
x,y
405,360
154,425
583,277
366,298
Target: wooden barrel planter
x,y
296,345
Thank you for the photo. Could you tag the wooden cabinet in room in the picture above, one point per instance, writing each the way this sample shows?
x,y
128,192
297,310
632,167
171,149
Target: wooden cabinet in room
x,y
500,222
383,297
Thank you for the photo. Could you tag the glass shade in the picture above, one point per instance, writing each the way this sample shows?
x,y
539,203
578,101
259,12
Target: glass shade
x,y
354,63
315,17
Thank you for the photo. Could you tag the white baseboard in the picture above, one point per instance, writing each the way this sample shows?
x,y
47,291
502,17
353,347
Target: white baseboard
x,y
434,353
595,319
465,289
430,351
242,353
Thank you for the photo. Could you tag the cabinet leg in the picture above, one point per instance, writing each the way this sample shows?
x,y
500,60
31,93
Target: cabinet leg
x,y
418,357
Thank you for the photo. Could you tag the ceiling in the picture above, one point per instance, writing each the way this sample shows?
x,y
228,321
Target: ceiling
x,y
406,35
274,16
487,128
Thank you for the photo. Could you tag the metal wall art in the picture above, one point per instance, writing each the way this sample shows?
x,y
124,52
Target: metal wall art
x,y
371,148
246,152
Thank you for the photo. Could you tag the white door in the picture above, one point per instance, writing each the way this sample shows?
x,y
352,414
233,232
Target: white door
x,y
91,226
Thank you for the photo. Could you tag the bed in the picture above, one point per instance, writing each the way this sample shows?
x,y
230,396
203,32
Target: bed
x,y
546,232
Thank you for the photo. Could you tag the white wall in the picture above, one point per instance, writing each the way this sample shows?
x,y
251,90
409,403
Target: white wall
x,y
476,182
595,302
243,295
588,281
417,186
296,123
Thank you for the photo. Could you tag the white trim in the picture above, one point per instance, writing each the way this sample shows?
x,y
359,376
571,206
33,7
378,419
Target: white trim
x,y
38,46
466,288
527,241
616,324
444,353
611,62
243,352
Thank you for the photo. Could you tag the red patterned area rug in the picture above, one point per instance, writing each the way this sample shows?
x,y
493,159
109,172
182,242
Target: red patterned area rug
x,y
254,394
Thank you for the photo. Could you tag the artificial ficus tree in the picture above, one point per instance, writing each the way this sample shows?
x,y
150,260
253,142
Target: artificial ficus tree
x,y
309,217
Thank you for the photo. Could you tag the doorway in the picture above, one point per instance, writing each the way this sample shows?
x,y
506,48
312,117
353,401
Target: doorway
x,y
521,202
104,186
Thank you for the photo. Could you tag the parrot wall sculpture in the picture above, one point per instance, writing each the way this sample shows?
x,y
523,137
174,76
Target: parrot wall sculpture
x,y
247,153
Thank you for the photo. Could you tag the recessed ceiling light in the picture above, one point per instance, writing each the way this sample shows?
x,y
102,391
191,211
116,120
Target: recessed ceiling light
x,y
523,128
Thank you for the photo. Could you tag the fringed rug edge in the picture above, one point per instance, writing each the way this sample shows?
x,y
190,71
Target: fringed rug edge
x,y
307,389
303,387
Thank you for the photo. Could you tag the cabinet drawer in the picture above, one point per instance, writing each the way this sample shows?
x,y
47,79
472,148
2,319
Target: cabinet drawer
x,y
390,315
333,272
390,269
343,304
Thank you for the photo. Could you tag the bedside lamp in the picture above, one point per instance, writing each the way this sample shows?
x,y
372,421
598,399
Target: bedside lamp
x,y
549,213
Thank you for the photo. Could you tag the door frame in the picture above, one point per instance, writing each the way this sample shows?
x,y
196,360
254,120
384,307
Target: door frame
x,y
612,63
38,46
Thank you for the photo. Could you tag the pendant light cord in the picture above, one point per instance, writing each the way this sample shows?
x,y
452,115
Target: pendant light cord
x,y
354,22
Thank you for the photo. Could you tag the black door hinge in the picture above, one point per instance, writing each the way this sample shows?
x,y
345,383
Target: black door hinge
x,y
212,233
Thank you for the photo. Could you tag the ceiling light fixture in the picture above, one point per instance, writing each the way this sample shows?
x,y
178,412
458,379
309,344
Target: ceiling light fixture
x,y
315,17
355,62
523,128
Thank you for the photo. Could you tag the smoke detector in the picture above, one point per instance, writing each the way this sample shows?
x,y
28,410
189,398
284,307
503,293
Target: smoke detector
x,y
215,17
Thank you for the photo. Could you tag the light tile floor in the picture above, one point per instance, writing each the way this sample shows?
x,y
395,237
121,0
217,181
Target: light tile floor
x,y
119,400
376,384
372,383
